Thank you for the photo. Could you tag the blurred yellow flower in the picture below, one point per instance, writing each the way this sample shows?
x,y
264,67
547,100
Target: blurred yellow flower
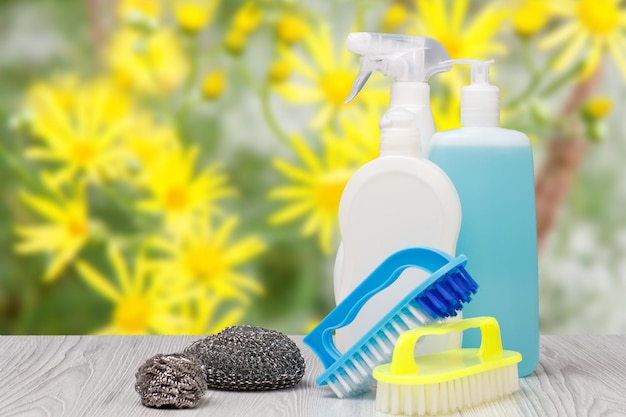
x,y
316,189
598,108
214,84
50,103
206,260
58,94
181,195
447,22
142,304
360,131
194,15
291,28
63,235
530,16
446,112
130,10
590,29
235,41
209,313
248,18
78,126
327,79
150,63
462,39
279,71
146,143
395,16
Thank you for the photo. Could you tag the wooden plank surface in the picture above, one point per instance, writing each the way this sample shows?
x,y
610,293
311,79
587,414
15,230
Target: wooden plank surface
x,y
582,376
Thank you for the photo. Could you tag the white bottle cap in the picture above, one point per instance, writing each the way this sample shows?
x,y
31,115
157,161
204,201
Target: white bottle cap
x,y
480,101
400,136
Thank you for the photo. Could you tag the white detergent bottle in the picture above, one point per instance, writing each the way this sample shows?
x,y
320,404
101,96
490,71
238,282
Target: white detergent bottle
x,y
492,170
400,199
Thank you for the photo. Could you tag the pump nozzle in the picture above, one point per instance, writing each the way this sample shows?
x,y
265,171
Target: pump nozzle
x,y
479,69
406,58
480,101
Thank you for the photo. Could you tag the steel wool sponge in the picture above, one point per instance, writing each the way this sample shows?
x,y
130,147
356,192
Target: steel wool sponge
x,y
247,358
175,380
239,358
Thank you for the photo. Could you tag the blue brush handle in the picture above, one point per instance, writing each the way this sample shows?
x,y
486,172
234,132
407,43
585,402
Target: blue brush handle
x,y
428,259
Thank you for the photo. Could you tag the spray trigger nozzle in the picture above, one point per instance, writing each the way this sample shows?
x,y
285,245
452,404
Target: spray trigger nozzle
x,y
358,83
403,57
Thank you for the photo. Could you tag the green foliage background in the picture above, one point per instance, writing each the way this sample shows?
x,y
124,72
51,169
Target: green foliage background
x,y
583,269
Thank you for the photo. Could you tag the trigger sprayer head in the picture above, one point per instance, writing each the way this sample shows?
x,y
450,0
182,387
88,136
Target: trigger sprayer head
x,y
403,57
480,101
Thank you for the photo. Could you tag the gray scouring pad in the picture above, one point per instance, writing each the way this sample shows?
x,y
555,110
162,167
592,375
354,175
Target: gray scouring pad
x,y
247,358
174,380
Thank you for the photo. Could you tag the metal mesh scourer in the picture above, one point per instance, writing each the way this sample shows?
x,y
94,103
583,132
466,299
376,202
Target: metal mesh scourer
x,y
247,358
175,380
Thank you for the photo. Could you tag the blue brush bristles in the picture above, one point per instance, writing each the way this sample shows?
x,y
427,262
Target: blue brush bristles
x,y
446,296
440,296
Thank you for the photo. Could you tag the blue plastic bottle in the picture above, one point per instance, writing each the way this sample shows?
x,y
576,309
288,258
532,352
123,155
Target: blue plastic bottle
x,y
492,170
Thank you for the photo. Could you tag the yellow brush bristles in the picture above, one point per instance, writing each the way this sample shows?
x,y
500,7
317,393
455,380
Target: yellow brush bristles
x,y
446,397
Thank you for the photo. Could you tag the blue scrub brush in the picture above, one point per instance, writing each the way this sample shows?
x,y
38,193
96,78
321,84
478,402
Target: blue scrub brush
x,y
441,295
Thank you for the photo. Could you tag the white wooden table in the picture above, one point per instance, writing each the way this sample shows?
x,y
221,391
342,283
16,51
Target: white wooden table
x,y
582,376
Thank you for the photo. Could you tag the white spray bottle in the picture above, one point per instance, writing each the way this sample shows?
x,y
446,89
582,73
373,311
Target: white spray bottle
x,y
411,61
400,199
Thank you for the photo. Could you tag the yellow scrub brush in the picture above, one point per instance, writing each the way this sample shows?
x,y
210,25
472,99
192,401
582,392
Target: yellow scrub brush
x,y
447,381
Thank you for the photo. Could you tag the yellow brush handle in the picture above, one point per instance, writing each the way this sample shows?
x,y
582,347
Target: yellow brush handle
x,y
403,362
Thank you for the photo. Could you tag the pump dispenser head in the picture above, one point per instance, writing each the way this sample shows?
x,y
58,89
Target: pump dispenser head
x,y
480,101
404,57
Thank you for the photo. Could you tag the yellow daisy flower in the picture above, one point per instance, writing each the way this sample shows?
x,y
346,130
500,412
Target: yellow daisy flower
x,y
214,84
194,15
150,63
291,28
64,233
316,188
326,76
78,126
597,108
146,143
361,133
279,72
209,313
180,194
435,18
131,10
142,304
207,259
447,22
530,16
446,112
590,29
235,41
51,106
248,18
395,16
